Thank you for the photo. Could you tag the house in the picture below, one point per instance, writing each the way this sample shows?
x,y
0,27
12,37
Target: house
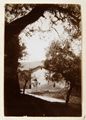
x,y
38,76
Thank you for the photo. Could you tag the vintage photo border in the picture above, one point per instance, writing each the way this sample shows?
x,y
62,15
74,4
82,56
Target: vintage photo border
x,y
83,15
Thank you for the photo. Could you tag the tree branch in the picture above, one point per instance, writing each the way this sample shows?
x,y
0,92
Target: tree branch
x,y
19,24
16,26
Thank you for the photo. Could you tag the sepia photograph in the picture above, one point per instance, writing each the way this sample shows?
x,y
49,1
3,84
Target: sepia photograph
x,y
42,60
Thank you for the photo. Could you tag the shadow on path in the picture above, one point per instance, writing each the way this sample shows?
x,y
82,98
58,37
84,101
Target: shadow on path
x,y
26,105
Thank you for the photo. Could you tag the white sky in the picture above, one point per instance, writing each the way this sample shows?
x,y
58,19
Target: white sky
x,y
43,34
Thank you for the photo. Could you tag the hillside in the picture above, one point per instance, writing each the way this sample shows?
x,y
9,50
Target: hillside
x,y
29,65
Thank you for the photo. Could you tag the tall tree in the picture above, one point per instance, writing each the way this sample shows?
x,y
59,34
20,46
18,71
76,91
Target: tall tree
x,y
62,60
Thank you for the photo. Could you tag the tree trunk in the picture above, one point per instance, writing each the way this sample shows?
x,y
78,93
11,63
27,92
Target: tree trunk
x,y
54,85
11,83
24,87
69,93
30,86
18,25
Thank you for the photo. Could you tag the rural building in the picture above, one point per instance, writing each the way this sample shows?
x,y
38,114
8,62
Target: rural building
x,y
38,76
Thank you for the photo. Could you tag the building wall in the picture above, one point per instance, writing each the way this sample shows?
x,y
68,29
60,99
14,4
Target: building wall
x,y
38,77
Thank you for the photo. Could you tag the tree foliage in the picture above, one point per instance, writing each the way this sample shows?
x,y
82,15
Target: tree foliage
x,y
15,11
62,60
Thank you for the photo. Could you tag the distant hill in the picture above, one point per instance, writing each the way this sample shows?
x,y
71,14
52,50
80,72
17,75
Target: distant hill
x,y
29,65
